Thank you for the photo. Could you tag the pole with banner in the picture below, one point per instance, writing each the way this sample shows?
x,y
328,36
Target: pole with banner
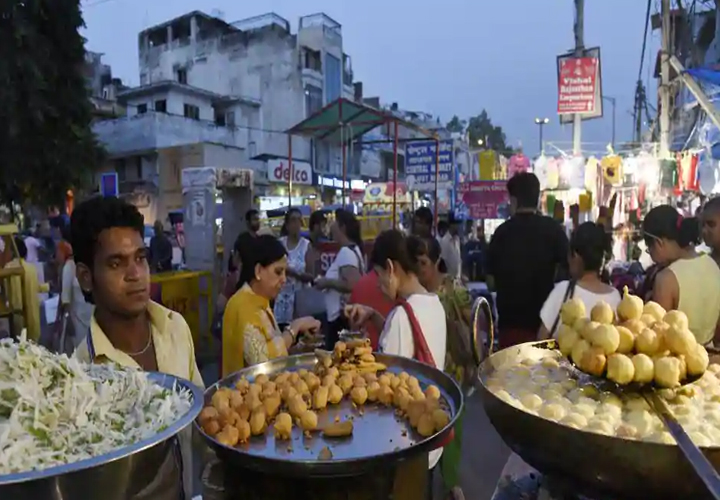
x,y
579,50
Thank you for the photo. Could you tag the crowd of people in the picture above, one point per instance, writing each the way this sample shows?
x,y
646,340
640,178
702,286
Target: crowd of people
x,y
407,294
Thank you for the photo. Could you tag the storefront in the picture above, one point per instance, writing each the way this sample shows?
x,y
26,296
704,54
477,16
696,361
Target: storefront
x,y
331,187
277,195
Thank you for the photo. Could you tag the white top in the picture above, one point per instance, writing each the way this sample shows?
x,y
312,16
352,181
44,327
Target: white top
x,y
451,253
285,301
32,244
347,256
80,311
552,305
397,338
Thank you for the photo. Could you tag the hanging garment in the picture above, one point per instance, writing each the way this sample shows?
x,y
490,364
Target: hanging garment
x,y
575,172
591,171
518,163
668,174
708,175
486,165
688,171
540,170
552,179
612,169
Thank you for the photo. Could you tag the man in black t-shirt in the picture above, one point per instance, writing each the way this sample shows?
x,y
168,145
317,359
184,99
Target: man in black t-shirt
x,y
524,256
243,243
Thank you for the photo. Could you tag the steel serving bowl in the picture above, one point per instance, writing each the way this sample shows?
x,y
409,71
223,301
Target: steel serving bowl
x,y
113,476
594,465
380,437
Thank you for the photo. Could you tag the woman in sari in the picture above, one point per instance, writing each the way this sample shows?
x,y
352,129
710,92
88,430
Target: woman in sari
x,y
250,333
459,362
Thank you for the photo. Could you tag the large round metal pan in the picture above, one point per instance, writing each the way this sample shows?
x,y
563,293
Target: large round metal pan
x,y
113,476
593,464
379,435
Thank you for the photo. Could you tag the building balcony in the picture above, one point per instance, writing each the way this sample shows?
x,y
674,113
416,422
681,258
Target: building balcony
x,y
151,131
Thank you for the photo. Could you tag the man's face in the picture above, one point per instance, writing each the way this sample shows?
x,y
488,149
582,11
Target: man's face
x,y
420,228
255,223
454,229
120,278
711,228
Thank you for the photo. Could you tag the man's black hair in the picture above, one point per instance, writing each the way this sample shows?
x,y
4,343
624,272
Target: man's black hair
x,y
525,188
317,217
21,247
424,214
92,217
250,214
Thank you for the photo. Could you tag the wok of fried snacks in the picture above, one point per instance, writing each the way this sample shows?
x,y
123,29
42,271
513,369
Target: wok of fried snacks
x,y
278,403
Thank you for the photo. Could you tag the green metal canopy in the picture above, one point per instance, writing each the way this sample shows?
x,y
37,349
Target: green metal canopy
x,y
344,120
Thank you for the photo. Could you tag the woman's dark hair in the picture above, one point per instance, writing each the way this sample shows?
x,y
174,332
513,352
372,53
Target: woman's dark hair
x,y
393,245
428,247
665,222
348,220
592,244
95,215
264,250
288,214
317,217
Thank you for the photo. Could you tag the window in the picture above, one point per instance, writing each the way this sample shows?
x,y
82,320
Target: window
x,y
312,59
230,118
138,167
142,109
219,118
161,106
143,79
182,75
313,99
191,111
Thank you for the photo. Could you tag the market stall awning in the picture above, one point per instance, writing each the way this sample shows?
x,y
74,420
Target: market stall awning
x,y
344,120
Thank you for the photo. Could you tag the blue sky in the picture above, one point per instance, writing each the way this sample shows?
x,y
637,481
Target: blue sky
x,y
448,57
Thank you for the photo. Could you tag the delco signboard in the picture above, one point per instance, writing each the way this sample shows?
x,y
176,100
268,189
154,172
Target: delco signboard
x,y
279,171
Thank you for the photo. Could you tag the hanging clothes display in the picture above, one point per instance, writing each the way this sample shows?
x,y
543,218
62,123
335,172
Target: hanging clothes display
x,y
575,172
540,170
612,169
486,165
668,174
708,173
687,162
552,180
591,171
518,163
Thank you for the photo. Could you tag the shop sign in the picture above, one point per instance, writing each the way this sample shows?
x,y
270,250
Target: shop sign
x,y
279,171
420,158
334,182
579,86
482,200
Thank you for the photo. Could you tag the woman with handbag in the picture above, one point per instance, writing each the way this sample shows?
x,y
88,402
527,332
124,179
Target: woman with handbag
x,y
415,328
589,245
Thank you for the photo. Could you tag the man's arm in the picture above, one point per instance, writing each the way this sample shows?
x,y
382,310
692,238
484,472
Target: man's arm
x,y
491,261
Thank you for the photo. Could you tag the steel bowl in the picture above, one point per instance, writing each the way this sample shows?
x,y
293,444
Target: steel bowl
x,y
113,476
380,438
594,465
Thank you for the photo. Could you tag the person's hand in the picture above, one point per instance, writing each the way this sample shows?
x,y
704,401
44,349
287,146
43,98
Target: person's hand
x,y
321,283
305,325
358,314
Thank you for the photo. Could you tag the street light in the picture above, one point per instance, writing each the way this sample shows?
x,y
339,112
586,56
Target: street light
x,y
541,122
480,142
613,101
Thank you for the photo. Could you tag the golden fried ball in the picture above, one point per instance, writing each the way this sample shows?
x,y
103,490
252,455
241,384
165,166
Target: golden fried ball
x,y
373,388
401,398
236,400
667,372
220,400
415,410
580,324
242,385
335,394
644,368
697,361
586,332
426,425
297,406
531,401
258,422
345,383
606,337
432,392
593,361
634,325
244,431
281,378
676,319
572,310
229,436
602,313
384,379
648,320
578,351
261,379
575,420
359,381
359,395
308,420
283,426
552,411
320,398
630,307
302,388
620,369
385,395
647,342
328,380
441,418
655,310
288,392
211,427
208,413
272,405
680,340
312,381
567,337
627,340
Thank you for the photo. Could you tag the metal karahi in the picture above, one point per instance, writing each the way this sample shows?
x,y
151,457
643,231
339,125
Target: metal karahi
x,y
379,436
592,464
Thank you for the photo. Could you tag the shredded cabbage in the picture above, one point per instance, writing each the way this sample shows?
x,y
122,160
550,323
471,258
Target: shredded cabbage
x,y
56,410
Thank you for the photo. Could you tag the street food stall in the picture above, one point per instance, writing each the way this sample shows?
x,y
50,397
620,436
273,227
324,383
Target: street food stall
x,y
382,206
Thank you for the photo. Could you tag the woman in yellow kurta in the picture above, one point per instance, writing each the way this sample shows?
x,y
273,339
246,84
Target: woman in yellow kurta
x,y
250,334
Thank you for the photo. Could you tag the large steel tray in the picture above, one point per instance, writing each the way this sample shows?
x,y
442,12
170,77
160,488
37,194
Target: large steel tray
x,y
379,435
113,476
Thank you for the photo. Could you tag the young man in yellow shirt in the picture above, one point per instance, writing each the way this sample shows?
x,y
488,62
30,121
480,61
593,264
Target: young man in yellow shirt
x,y
127,327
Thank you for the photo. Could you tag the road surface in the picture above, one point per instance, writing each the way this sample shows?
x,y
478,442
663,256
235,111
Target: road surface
x,y
484,453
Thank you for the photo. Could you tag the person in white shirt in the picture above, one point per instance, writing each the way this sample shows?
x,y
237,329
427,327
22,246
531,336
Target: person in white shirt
x,y
589,245
451,249
73,303
342,275
397,276
33,245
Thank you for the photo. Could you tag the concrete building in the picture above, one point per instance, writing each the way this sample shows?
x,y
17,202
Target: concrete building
x,y
220,94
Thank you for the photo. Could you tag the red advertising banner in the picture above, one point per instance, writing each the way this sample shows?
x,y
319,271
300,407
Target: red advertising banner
x,y
577,85
484,200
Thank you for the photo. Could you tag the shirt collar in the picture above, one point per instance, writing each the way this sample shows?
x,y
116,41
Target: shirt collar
x,y
255,299
99,345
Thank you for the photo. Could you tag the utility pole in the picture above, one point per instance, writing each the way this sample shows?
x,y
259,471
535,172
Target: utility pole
x,y
665,82
579,52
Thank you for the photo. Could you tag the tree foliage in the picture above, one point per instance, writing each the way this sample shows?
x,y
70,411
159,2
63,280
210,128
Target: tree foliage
x,y
46,141
478,128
